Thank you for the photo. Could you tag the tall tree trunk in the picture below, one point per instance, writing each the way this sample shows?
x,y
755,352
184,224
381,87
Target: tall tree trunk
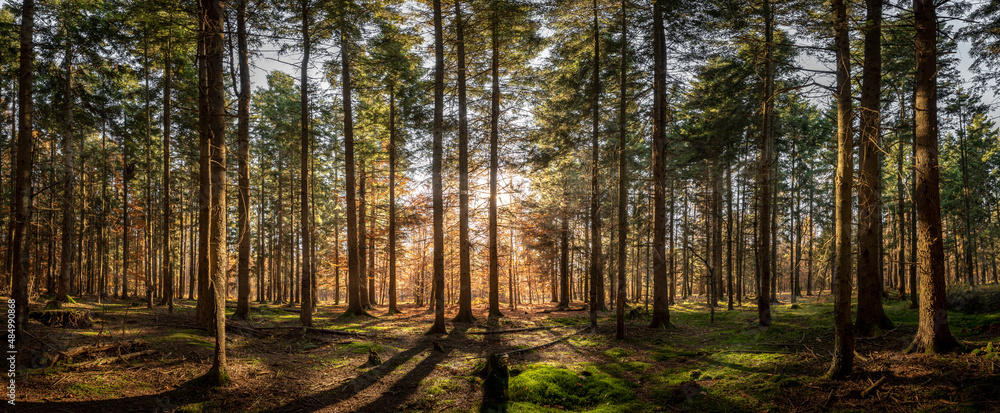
x,y
166,269
205,301
764,177
622,181
353,276
843,345
69,181
564,297
243,160
22,177
392,203
465,266
596,255
661,293
217,255
438,327
363,270
870,311
494,294
305,316
729,234
933,333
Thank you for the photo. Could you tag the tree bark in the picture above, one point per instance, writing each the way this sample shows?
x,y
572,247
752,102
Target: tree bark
x,y
843,345
622,182
69,181
933,333
21,224
437,187
465,262
353,276
217,254
166,267
764,178
870,311
305,316
243,160
392,202
494,294
661,293
596,255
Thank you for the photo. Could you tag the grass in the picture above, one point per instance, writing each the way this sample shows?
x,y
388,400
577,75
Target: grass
x,y
102,386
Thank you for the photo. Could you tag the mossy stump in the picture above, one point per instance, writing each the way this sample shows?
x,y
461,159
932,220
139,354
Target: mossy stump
x,y
495,394
63,318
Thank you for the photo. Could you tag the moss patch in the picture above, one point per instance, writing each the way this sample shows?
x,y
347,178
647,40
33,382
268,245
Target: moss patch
x,y
544,386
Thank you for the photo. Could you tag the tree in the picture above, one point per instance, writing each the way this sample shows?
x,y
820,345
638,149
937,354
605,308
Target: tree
x,y
933,334
166,267
305,316
69,173
217,260
437,188
21,225
870,311
465,263
843,345
764,176
661,309
243,160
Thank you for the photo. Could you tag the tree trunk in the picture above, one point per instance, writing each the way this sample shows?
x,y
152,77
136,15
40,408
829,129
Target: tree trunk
x,y
243,161
494,295
843,345
217,254
166,269
353,276
661,291
870,311
465,265
21,224
69,181
596,255
933,333
764,178
366,302
392,202
205,301
622,182
437,187
305,315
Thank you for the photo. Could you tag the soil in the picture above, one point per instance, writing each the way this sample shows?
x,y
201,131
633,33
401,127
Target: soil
x,y
729,365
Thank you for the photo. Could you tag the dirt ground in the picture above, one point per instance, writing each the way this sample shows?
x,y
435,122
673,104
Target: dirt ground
x,y
728,365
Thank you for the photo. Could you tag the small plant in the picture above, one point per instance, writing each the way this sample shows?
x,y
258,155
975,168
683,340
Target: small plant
x,y
989,351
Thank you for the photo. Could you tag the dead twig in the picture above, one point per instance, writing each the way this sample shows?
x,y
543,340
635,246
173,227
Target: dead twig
x,y
513,330
541,346
873,387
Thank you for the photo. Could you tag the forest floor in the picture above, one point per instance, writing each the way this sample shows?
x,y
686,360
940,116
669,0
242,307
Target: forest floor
x,y
727,365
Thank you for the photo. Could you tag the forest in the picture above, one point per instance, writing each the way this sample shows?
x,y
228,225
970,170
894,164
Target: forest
x,y
500,205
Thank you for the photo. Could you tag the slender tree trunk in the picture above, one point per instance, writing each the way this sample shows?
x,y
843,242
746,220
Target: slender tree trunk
x,y
494,298
205,301
729,234
662,293
596,255
564,296
843,345
69,181
243,159
933,333
353,276
870,311
392,204
465,265
764,177
622,181
305,315
22,178
217,254
438,327
366,302
166,269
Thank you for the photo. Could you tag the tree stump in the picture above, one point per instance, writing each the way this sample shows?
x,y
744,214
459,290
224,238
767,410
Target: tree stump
x,y
63,318
495,395
373,358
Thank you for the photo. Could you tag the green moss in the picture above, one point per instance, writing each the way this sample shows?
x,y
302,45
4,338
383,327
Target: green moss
x,y
191,337
104,386
617,352
439,386
569,389
200,407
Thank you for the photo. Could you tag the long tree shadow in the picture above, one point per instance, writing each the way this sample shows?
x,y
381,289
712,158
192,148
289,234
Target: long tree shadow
x,y
189,392
395,396
352,387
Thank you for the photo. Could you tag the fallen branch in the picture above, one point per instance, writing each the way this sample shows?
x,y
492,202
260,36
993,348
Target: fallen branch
x,y
84,350
858,355
554,310
878,336
541,346
106,360
872,388
316,330
513,330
